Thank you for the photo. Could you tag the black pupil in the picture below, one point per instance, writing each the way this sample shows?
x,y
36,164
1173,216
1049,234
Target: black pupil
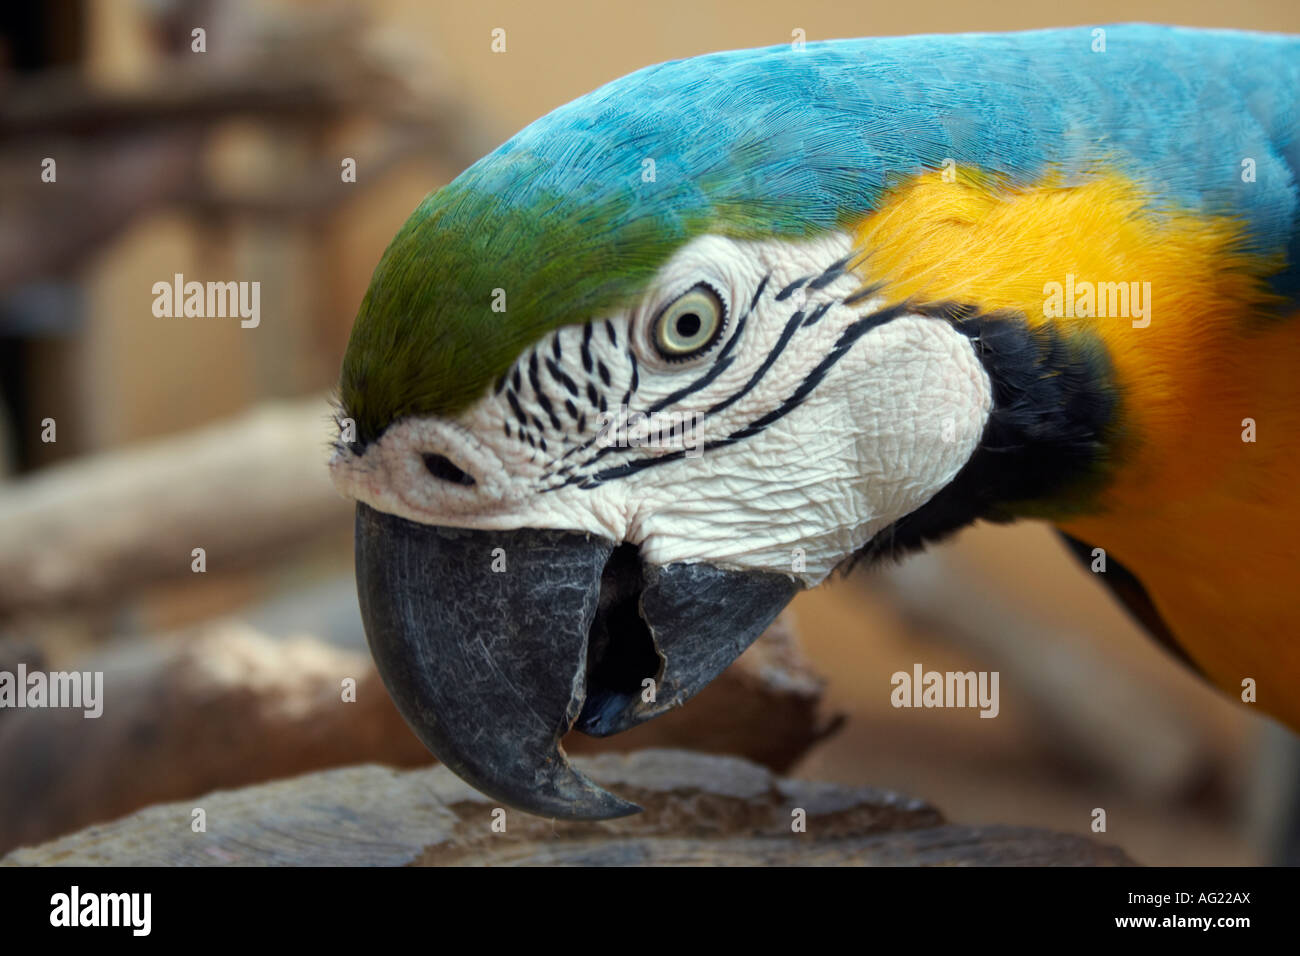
x,y
688,325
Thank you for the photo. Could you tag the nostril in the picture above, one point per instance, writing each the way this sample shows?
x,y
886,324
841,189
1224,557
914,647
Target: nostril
x,y
444,469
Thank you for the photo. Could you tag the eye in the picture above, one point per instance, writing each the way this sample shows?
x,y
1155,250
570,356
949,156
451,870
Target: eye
x,y
689,324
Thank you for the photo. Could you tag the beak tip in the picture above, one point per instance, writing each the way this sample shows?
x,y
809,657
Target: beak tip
x,y
612,809
569,794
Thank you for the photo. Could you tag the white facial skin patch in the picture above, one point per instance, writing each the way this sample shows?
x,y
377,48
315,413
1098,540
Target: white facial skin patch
x,y
814,422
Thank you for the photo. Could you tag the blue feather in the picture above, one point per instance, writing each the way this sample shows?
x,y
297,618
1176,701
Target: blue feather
x,y
786,143
815,135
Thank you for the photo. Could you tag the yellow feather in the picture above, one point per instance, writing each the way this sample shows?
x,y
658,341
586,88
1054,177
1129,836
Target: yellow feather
x,y
1210,523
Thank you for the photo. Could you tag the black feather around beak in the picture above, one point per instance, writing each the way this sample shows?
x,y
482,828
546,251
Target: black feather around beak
x,y
494,644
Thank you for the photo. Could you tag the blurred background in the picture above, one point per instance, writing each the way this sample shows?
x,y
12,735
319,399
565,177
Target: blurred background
x,y
170,435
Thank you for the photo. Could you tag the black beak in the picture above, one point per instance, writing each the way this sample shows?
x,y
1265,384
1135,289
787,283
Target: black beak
x,y
494,644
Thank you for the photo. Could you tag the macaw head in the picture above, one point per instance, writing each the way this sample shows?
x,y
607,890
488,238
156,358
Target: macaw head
x,y
671,354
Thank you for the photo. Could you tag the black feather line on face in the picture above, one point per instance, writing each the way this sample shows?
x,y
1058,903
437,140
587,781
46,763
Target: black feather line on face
x,y
1054,412
863,294
559,375
791,289
517,409
817,314
833,272
595,398
716,369
810,381
534,379
636,380
791,326
721,362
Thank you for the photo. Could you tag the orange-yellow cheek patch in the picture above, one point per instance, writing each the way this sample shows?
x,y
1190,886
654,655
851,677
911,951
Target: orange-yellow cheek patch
x,y
1163,290
973,242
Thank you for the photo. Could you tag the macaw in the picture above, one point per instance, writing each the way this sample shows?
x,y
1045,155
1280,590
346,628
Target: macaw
x,y
693,341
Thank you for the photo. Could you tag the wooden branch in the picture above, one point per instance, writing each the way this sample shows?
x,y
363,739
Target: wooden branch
x,y
231,708
96,529
698,810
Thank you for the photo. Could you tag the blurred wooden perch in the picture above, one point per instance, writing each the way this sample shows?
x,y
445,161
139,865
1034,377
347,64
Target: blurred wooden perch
x,y
231,708
102,527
